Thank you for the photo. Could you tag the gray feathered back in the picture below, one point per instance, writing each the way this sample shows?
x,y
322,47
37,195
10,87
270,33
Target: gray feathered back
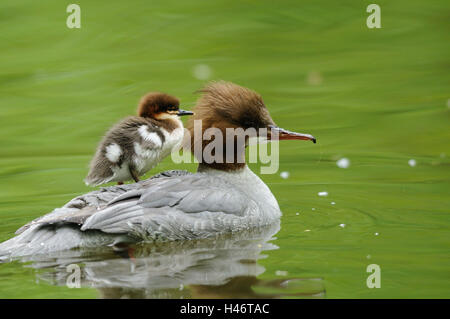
x,y
173,205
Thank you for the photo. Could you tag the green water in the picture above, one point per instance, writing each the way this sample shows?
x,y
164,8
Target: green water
x,y
377,97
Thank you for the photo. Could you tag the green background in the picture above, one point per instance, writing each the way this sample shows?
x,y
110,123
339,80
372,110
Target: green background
x,y
379,97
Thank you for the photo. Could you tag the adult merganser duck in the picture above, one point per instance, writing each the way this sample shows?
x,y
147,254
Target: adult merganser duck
x,y
138,143
175,205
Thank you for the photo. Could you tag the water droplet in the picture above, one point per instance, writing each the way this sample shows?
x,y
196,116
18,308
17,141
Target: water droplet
x,y
412,162
284,175
343,163
281,273
333,203
314,78
322,193
342,225
202,72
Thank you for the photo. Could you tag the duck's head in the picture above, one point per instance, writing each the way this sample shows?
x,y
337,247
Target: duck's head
x,y
160,106
227,105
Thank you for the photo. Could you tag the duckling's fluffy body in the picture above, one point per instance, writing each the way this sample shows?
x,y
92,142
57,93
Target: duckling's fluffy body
x,y
133,147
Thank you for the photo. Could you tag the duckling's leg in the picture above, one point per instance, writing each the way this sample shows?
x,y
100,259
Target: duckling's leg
x,y
133,173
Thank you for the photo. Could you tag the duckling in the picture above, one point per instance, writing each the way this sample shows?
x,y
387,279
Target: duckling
x,y
138,143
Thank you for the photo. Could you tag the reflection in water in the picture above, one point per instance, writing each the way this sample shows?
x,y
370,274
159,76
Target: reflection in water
x,y
223,267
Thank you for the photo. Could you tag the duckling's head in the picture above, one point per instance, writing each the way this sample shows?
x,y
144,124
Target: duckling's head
x,y
160,106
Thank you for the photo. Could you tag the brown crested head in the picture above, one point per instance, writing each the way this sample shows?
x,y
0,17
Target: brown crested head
x,y
155,104
225,104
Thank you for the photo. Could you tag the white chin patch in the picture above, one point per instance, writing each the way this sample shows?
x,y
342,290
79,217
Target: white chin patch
x,y
150,136
113,152
166,116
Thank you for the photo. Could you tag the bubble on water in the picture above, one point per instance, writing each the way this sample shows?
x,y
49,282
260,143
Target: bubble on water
x,y
284,175
202,72
322,193
281,273
368,256
314,78
376,234
342,225
307,230
412,162
313,208
333,203
343,162
297,214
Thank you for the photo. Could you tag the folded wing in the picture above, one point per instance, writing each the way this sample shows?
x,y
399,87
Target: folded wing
x,y
178,207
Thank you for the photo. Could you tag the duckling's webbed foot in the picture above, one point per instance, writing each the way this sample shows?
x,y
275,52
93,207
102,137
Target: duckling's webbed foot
x,y
134,174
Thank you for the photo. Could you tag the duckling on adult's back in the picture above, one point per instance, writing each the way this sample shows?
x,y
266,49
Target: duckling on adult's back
x,y
222,197
138,143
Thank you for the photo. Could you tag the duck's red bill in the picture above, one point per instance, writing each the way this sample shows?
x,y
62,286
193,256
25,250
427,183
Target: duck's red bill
x,y
283,134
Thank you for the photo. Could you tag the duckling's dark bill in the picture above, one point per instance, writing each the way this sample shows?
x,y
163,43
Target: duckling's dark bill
x,y
288,135
183,112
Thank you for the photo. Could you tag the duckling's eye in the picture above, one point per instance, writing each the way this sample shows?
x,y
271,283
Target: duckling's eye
x,y
172,108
